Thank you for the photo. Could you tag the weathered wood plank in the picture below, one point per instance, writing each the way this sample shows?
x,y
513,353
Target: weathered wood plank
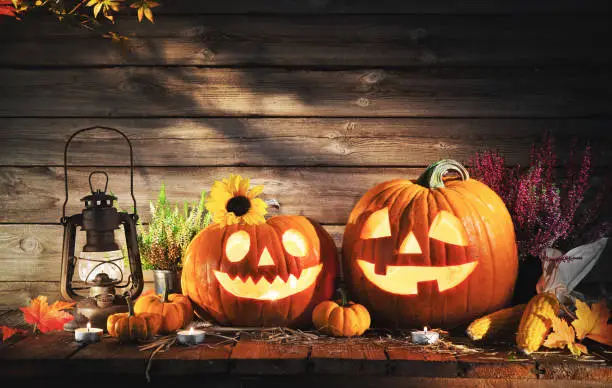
x,y
56,345
291,142
36,194
350,356
561,365
418,362
326,194
43,355
117,358
29,251
18,294
22,263
384,6
497,365
13,318
253,357
209,357
390,40
419,92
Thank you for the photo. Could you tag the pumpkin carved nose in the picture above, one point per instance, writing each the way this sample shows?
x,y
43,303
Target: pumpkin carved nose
x,y
265,258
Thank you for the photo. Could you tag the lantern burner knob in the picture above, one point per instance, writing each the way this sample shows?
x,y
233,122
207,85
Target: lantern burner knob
x,y
102,280
102,289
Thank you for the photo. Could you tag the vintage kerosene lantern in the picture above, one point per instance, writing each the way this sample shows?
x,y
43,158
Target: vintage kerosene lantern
x,y
99,263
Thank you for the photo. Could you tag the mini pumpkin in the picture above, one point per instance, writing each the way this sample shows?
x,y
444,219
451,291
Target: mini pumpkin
x,y
342,318
175,310
245,270
132,327
438,251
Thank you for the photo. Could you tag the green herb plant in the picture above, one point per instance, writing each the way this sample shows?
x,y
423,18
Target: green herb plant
x,y
164,240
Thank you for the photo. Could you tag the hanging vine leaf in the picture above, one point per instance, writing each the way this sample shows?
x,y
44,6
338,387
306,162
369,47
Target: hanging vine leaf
x,y
144,9
106,6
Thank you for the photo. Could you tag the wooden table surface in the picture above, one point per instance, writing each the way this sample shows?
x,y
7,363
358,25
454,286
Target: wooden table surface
x,y
375,360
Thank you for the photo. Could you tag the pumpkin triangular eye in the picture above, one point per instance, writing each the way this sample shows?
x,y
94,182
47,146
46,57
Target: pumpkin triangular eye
x,y
447,228
377,225
410,245
237,246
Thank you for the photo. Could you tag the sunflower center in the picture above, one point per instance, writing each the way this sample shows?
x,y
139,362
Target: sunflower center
x,y
238,205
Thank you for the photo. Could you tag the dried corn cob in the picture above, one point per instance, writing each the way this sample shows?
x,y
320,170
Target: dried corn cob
x,y
536,322
501,323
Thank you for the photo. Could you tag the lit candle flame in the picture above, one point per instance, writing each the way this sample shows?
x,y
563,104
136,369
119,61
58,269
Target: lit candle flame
x,y
425,329
88,326
191,330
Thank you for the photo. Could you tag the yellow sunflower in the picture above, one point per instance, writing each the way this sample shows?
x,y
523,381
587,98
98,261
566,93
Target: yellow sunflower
x,y
231,202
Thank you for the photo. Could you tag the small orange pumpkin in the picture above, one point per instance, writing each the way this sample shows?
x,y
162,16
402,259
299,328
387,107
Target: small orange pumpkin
x,y
130,326
175,310
342,318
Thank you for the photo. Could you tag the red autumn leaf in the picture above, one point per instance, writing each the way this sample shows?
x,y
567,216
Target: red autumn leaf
x,y
7,8
8,332
47,318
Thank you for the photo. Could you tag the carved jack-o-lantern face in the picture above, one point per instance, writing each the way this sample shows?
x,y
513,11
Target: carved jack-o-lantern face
x,y
430,252
257,286
404,279
268,274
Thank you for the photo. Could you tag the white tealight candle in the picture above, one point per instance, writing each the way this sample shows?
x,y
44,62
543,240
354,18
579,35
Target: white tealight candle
x,y
88,334
190,337
424,337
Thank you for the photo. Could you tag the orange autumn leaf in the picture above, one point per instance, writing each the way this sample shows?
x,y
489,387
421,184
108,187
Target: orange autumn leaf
x,y
563,335
8,332
47,318
592,322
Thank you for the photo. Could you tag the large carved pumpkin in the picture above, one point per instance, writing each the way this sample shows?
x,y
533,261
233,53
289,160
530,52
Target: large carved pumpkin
x,y
261,273
436,251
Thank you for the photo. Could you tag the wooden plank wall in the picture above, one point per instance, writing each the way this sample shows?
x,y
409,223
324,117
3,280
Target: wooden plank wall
x,y
318,100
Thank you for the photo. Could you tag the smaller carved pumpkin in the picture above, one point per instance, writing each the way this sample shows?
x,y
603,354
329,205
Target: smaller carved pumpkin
x,y
175,310
342,318
132,327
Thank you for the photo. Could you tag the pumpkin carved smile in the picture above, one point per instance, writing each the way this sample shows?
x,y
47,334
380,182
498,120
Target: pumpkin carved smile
x,y
266,290
404,280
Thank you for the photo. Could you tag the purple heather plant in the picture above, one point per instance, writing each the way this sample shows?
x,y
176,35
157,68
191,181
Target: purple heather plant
x,y
547,211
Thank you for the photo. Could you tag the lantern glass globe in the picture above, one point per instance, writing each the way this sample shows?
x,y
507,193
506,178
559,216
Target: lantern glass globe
x,y
92,263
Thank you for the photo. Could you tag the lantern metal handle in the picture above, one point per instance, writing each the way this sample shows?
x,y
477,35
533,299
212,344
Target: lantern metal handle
x,y
98,172
66,165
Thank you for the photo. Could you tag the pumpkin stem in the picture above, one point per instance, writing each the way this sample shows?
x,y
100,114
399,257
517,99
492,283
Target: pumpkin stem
x,y
128,299
433,176
165,292
343,297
